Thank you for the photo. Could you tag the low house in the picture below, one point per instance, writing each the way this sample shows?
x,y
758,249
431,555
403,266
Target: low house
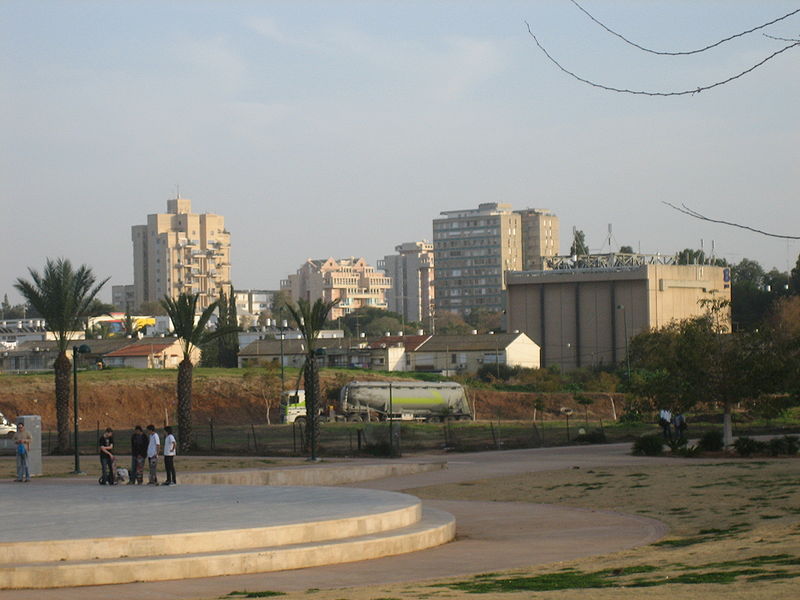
x,y
468,353
150,353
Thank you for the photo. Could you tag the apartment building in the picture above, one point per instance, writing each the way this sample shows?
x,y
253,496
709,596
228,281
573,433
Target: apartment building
x,y
540,237
411,271
181,251
123,297
352,281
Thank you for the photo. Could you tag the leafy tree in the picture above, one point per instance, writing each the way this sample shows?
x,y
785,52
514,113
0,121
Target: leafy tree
x,y
62,296
579,246
98,308
626,250
747,272
485,320
228,343
310,321
192,332
687,256
381,325
279,308
372,321
450,323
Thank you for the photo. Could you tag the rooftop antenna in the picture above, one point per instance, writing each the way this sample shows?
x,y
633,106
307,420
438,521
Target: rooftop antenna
x,y
177,191
702,251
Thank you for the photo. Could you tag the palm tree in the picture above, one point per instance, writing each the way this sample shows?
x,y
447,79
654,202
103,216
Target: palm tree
x,y
192,333
310,321
62,296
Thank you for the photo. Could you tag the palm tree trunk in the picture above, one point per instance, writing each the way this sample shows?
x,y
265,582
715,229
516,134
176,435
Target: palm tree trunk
x,y
311,381
62,368
185,433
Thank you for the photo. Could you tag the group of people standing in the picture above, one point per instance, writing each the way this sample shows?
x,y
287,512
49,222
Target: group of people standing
x,y
144,447
670,422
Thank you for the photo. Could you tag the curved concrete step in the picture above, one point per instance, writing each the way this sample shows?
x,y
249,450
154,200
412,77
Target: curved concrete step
x,y
435,528
102,548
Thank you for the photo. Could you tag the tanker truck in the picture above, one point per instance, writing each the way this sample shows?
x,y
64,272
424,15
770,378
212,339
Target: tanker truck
x,y
378,400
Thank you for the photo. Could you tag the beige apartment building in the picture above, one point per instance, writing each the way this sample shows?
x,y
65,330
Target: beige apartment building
x,y
586,316
181,251
352,281
475,247
411,272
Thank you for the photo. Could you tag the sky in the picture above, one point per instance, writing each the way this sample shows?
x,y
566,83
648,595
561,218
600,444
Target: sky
x,y
342,128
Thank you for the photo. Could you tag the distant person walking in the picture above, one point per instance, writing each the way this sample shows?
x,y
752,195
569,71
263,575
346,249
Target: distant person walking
x,y
679,421
153,447
106,444
22,441
170,450
139,443
665,420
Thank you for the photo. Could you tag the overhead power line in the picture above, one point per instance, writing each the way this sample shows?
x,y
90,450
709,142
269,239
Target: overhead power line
x,y
693,213
683,52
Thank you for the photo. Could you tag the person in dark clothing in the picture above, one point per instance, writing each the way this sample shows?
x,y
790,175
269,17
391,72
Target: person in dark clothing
x,y
139,441
106,444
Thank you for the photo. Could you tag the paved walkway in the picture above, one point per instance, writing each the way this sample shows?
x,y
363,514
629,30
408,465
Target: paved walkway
x,y
491,536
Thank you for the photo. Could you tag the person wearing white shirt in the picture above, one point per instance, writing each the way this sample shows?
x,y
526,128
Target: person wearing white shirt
x,y
170,450
153,446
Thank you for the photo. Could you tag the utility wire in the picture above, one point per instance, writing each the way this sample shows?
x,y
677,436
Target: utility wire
x,y
693,213
686,52
696,90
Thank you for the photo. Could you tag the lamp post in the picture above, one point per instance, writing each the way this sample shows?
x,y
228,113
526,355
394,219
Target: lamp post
x,y
82,349
283,335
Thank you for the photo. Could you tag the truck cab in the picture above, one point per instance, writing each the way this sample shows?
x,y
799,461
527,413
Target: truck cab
x,y
293,406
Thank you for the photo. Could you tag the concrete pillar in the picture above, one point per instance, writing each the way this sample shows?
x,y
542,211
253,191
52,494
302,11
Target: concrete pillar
x,y
33,425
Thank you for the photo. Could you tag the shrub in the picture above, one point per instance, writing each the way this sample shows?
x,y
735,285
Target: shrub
x,y
676,445
746,446
688,451
596,436
648,445
787,445
712,441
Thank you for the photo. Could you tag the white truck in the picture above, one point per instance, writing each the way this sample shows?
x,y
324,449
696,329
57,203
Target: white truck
x,y
381,400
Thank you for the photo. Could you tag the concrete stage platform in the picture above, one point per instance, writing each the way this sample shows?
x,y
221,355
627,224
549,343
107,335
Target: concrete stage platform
x,y
76,535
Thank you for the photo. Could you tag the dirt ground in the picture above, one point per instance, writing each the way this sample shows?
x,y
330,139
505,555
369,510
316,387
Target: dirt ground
x,y
735,534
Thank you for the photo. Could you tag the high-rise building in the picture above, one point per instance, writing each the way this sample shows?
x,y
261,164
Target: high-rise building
x,y
411,271
540,237
181,251
350,280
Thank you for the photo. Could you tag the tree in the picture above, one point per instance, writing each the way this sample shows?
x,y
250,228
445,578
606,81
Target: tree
x,y
687,256
626,250
485,320
697,361
228,343
192,333
450,323
794,278
310,321
750,301
62,296
579,247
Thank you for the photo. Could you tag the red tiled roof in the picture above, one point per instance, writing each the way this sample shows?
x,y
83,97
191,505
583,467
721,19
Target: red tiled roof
x,y
142,349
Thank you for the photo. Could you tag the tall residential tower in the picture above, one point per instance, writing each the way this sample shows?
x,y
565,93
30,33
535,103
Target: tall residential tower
x,y
411,271
181,251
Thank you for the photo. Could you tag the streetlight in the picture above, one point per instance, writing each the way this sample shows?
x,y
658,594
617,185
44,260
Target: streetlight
x,y
82,349
627,354
282,329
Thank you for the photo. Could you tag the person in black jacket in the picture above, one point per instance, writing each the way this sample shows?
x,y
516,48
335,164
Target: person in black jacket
x,y
139,441
106,444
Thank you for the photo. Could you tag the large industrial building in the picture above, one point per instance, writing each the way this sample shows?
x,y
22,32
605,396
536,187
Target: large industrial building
x,y
584,314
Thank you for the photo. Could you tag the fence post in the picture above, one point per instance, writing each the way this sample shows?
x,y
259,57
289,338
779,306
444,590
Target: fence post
x,y
494,435
294,438
360,433
211,431
255,440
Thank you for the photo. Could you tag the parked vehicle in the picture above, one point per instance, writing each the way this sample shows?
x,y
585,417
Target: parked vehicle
x,y
6,428
381,400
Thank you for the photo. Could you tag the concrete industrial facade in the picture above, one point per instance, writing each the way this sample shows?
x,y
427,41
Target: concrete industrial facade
x,y
181,252
475,247
586,316
411,271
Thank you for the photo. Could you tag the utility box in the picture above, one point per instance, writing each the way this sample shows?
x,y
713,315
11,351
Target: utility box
x,y
33,425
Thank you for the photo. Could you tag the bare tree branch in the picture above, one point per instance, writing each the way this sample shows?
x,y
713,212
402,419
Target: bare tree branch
x,y
683,52
693,213
696,90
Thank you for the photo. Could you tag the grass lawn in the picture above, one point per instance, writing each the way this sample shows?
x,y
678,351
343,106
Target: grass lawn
x,y
734,534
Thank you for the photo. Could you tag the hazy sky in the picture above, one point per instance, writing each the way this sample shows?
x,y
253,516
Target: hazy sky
x,y
343,128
